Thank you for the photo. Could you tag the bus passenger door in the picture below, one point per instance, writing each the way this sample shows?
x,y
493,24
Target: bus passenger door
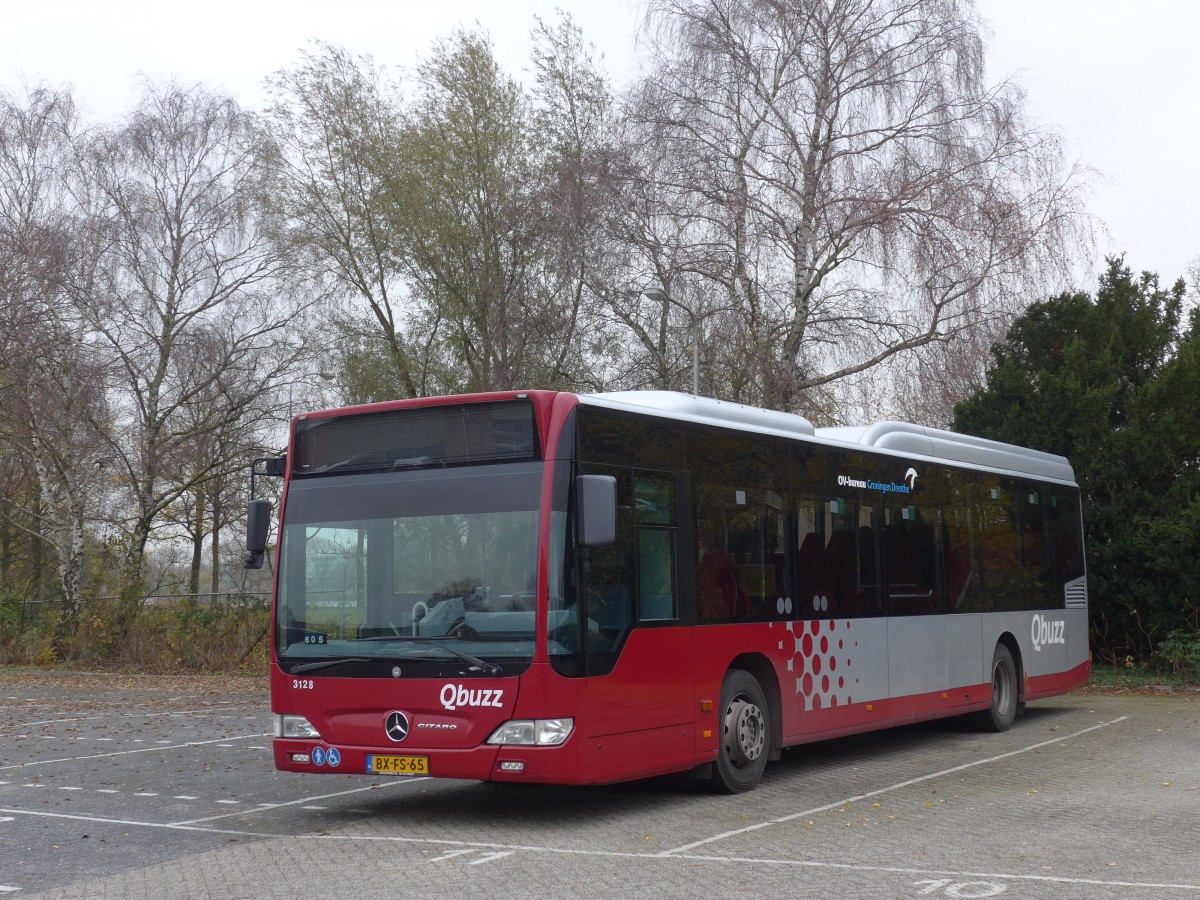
x,y
640,657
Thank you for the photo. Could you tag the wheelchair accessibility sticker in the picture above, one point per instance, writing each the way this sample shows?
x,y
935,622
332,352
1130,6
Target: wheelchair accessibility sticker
x,y
321,756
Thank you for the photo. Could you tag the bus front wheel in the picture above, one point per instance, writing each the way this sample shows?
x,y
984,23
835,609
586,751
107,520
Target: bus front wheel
x,y
745,724
1005,699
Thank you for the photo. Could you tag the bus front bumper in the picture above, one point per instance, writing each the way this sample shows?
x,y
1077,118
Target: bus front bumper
x,y
482,763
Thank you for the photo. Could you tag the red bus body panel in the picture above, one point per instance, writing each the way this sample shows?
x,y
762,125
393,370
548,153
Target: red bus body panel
x,y
657,712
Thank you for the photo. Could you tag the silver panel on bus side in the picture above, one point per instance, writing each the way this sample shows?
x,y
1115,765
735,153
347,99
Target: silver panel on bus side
x,y
917,655
933,654
1052,641
847,655
964,637
934,443
675,406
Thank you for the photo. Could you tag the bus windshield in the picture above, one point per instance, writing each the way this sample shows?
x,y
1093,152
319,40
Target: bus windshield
x,y
433,566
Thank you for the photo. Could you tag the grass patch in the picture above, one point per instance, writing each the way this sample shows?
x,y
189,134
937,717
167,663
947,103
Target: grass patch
x,y
1107,678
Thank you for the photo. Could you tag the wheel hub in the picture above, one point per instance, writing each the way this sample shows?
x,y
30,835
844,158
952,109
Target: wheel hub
x,y
745,731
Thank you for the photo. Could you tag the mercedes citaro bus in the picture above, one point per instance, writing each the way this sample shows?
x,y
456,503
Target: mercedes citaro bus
x,y
549,587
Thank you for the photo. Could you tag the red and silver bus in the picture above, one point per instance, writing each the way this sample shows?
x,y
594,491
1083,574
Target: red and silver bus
x,y
548,587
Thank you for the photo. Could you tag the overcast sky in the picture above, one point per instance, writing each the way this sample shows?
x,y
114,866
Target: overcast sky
x,y
1120,80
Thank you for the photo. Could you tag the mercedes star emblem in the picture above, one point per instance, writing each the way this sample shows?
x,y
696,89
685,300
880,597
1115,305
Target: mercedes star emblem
x,y
396,726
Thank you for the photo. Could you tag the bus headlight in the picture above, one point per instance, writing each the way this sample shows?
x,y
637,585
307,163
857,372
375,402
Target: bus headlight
x,y
294,727
533,732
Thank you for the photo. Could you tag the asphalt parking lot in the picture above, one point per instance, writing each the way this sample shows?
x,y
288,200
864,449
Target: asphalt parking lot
x,y
144,787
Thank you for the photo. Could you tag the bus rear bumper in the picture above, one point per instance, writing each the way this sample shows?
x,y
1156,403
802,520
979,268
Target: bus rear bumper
x,y
1037,686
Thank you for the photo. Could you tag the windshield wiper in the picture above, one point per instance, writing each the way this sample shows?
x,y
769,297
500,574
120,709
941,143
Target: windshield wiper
x,y
327,663
488,668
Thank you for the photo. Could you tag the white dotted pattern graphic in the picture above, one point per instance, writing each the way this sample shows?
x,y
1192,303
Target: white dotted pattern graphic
x,y
824,658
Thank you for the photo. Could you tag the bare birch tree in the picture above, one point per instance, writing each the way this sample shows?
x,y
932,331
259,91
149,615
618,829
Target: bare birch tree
x,y
849,184
190,309
53,382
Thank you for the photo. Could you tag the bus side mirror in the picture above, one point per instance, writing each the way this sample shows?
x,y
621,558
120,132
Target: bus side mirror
x,y
596,509
258,526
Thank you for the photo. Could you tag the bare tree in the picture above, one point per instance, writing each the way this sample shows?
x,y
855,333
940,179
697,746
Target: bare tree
x,y
53,390
574,123
210,469
847,182
190,309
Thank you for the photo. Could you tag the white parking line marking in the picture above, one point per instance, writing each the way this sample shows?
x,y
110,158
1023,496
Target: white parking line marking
x,y
838,804
499,854
450,854
146,794
608,854
67,759
373,787
70,789
106,791
7,819
316,808
188,714
8,889
185,797
230,802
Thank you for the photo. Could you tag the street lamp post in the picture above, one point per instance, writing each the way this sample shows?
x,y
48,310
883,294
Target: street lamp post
x,y
661,296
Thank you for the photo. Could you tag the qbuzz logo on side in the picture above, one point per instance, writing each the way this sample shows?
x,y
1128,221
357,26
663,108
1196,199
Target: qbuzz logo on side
x,y
331,757
1047,631
455,695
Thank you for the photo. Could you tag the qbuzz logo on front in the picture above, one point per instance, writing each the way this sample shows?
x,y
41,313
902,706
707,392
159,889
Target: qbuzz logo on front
x,y
1045,631
455,695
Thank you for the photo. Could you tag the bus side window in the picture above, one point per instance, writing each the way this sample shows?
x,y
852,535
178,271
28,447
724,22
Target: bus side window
x,y
910,548
654,512
656,575
810,560
1066,542
1000,545
1035,552
960,546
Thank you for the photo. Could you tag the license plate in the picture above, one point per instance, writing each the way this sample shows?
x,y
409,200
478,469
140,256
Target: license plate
x,y
397,765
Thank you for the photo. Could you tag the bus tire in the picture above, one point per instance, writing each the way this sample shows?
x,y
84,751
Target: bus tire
x,y
1005,699
745,734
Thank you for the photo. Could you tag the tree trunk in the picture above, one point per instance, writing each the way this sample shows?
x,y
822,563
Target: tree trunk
x,y
215,582
197,530
70,571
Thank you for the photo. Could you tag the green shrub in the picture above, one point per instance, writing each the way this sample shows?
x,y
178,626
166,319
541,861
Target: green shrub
x,y
1180,652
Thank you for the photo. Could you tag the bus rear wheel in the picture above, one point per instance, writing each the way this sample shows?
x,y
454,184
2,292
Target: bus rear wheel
x,y
745,724
1005,699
